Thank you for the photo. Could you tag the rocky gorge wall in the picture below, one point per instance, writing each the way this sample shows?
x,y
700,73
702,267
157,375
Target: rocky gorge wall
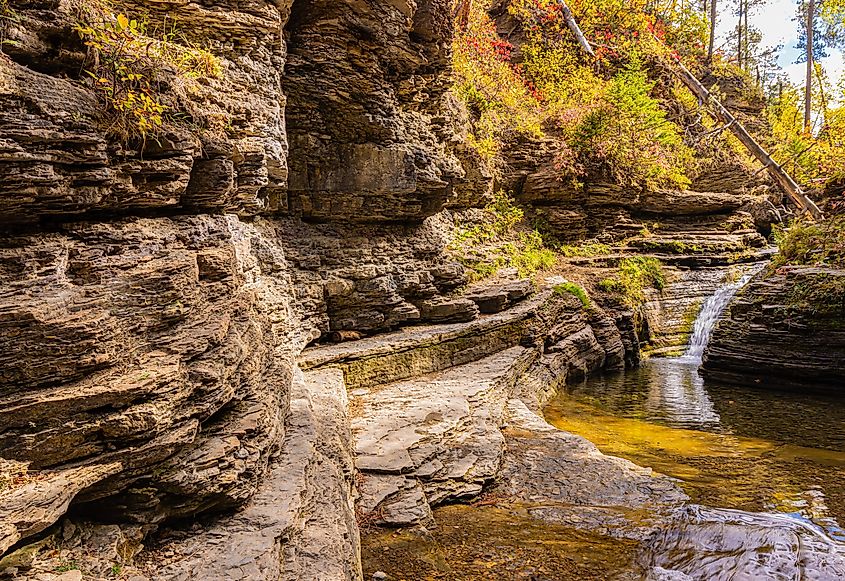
x,y
783,331
156,295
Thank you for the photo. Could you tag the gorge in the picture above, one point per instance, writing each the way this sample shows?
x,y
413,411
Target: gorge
x,y
270,309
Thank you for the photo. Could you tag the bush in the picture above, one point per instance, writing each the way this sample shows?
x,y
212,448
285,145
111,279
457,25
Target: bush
x,y
633,276
501,240
584,249
128,67
576,290
599,125
628,135
812,243
501,102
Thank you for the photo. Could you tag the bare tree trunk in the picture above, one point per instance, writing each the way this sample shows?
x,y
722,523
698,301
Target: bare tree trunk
x,y
576,30
461,14
712,31
739,38
745,30
808,84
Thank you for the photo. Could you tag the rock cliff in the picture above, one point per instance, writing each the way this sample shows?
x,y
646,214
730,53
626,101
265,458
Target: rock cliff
x,y
165,299
784,330
156,291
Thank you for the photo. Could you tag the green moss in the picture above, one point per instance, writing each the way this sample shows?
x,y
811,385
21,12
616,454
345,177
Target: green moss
x,y
7,15
669,246
573,289
66,566
818,294
689,318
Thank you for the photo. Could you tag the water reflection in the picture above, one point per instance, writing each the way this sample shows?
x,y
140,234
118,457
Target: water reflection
x,y
732,447
672,393
669,391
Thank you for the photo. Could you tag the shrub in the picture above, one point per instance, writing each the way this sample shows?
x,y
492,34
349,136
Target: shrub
x,y
584,249
812,243
629,136
501,102
576,290
501,240
128,67
7,15
633,276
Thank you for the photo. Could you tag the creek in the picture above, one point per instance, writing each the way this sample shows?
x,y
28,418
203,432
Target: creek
x,y
729,448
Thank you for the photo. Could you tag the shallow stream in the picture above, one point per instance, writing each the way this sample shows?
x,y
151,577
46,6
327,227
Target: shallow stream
x,y
729,447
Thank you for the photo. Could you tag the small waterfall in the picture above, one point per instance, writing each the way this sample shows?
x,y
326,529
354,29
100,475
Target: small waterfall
x,y
710,313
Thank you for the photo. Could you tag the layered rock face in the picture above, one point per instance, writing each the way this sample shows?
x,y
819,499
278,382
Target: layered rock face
x,y
365,94
154,344
153,296
428,406
59,158
786,329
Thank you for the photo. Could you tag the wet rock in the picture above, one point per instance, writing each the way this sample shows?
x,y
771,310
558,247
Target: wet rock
x,y
669,315
785,330
572,482
702,543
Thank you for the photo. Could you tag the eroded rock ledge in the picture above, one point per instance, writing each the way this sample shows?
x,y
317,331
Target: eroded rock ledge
x,y
786,329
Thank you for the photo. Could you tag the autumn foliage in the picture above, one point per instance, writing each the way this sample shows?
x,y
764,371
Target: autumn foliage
x,y
603,116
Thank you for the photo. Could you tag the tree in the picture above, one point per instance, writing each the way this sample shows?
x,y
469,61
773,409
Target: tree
x,y
821,26
808,83
713,15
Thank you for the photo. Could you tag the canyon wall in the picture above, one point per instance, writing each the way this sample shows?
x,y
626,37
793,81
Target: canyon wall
x,y
785,330
156,293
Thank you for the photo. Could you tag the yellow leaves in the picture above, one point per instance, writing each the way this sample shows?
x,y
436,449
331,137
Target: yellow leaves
x,y
128,66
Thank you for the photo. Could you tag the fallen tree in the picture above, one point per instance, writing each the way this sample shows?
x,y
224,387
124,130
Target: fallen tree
x,y
781,177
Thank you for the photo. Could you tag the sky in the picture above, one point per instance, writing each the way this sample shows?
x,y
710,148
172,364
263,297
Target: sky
x,y
775,20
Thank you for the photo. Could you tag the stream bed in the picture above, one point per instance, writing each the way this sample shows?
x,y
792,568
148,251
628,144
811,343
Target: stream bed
x,y
729,447
764,472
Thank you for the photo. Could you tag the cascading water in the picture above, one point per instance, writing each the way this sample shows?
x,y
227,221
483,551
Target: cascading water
x,y
710,313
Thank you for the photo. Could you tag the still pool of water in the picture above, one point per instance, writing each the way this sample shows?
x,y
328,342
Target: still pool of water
x,y
730,447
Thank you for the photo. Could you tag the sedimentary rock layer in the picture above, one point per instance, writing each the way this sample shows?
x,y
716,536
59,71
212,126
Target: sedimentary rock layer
x,y
786,329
